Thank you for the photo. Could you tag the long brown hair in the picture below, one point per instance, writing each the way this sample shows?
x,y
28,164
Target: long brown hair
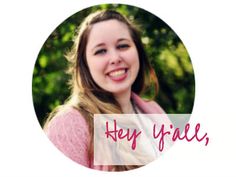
x,y
86,95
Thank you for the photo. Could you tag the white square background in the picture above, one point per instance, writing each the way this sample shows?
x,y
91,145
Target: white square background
x,y
208,30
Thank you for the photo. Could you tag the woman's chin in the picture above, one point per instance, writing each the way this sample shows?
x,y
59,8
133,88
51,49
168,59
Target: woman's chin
x,y
120,91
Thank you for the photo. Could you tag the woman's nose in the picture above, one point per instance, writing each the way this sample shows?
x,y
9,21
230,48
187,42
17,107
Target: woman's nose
x,y
115,57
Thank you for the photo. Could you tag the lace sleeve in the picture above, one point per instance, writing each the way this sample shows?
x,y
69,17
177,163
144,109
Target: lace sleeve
x,y
69,133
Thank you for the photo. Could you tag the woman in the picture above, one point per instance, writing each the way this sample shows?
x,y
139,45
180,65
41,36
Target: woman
x,y
109,71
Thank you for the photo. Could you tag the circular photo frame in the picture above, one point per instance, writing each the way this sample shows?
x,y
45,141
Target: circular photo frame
x,y
96,59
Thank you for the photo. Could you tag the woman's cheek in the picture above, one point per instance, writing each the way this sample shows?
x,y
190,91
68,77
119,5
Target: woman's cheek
x,y
100,65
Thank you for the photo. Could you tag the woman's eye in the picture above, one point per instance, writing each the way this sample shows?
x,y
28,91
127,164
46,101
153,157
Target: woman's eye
x,y
123,46
100,51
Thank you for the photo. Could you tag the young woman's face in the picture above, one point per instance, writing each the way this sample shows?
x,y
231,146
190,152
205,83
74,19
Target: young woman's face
x,y
112,56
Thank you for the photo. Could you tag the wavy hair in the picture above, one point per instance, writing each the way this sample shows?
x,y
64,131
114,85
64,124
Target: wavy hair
x,y
86,96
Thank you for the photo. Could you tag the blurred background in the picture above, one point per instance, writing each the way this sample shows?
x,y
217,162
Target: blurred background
x,y
166,52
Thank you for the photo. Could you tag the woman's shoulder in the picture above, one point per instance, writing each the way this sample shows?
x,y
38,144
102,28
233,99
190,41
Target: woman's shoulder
x,y
69,132
68,118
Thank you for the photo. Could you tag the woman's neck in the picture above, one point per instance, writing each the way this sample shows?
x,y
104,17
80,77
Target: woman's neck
x,y
124,100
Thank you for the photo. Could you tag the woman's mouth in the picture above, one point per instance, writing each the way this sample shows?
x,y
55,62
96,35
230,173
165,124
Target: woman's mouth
x,y
118,75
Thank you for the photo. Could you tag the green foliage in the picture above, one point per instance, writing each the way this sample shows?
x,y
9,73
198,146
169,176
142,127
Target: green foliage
x,y
165,50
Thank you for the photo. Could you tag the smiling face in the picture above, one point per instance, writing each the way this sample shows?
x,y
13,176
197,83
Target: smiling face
x,y
112,56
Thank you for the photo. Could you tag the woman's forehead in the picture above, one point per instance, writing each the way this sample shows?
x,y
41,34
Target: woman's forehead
x,y
113,27
108,30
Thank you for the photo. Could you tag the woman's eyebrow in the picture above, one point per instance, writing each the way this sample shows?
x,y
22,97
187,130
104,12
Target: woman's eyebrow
x,y
103,44
98,45
123,39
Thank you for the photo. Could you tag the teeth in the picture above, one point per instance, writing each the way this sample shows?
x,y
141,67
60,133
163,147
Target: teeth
x,y
117,73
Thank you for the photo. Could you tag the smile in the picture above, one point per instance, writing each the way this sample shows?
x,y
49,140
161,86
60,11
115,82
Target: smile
x,y
118,75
